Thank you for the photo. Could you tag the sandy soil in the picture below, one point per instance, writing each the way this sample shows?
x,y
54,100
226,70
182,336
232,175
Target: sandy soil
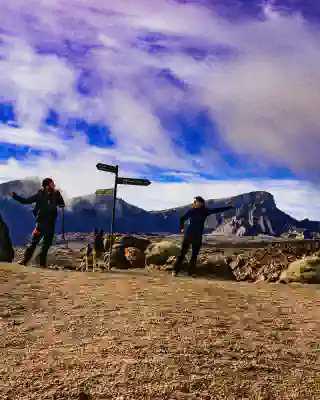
x,y
147,335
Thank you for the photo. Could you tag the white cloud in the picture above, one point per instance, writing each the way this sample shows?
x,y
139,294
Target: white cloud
x,y
29,137
34,83
264,98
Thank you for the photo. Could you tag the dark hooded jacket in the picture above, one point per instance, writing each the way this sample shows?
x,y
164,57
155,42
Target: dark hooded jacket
x,y
6,249
46,203
197,218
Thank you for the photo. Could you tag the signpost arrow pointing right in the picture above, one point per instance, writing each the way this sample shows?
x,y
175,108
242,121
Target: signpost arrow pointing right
x,y
133,181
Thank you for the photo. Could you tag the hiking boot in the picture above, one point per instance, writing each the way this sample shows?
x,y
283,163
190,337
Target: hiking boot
x,y
191,272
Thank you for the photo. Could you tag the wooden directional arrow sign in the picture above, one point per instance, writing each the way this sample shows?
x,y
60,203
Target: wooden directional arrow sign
x,y
107,168
114,169
104,192
133,181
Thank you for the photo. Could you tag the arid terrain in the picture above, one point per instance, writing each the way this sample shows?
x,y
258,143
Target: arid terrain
x,y
143,334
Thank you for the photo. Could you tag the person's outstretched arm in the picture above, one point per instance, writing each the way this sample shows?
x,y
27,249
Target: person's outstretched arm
x,y
22,200
183,219
218,210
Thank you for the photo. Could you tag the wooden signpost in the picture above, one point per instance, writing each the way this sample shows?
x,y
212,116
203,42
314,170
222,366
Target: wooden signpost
x,y
114,169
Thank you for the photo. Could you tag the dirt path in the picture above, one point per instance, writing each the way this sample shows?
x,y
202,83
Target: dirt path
x,y
134,335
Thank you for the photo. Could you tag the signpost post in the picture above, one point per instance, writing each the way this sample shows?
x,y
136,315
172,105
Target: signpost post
x,y
114,169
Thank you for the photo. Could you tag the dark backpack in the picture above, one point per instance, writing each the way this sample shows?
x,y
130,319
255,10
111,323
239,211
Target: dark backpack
x,y
36,208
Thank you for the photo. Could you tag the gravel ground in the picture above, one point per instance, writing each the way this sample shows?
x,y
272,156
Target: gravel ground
x,y
147,335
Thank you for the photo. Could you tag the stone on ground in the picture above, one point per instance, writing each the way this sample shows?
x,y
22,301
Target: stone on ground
x,y
159,253
217,266
306,270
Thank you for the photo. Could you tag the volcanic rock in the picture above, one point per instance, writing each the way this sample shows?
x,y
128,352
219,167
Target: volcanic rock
x,y
120,252
159,253
135,257
133,241
218,266
306,270
264,264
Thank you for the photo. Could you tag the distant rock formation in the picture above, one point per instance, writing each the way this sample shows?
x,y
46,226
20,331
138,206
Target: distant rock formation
x,y
257,214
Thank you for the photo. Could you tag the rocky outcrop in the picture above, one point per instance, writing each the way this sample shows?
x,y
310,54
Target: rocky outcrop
x,y
256,213
268,263
263,265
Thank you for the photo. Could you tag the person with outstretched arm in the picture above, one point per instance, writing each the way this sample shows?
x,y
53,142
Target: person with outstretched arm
x,y
46,200
193,235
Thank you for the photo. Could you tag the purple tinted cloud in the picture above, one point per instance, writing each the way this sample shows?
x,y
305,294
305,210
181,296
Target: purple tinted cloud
x,y
238,9
125,64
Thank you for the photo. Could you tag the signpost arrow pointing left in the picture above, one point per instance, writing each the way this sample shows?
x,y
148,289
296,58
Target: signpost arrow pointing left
x,y
107,168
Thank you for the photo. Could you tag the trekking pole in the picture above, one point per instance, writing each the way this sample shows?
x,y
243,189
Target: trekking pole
x,y
62,224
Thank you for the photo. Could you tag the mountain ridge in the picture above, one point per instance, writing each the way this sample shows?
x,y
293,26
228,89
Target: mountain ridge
x,y
256,213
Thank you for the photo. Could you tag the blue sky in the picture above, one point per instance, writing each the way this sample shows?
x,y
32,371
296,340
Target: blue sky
x,y
200,99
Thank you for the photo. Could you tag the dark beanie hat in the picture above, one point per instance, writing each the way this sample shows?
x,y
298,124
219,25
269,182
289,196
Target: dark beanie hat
x,y
46,182
200,199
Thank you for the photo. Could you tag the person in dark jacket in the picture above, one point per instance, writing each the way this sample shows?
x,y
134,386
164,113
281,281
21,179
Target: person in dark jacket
x,y
193,235
46,200
6,248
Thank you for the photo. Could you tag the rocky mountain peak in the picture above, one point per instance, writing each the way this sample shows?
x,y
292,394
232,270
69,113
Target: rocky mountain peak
x,y
255,213
24,187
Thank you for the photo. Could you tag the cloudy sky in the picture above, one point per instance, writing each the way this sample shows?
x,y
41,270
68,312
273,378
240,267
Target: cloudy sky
x,y
207,97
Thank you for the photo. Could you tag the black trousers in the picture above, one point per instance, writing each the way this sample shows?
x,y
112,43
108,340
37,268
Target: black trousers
x,y
195,243
47,234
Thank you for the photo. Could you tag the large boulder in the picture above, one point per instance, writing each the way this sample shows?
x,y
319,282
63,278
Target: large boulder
x,y
306,270
159,253
117,258
127,241
6,249
135,257
122,258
